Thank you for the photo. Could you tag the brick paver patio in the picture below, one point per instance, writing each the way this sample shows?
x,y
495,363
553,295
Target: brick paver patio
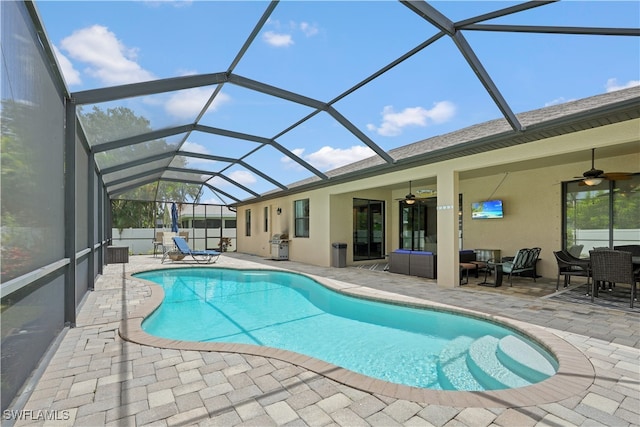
x,y
96,378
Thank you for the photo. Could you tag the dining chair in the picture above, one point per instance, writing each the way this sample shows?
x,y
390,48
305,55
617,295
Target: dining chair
x,y
614,267
569,265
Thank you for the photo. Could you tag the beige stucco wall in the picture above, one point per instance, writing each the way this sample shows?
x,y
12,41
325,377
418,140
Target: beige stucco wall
x,y
300,248
532,201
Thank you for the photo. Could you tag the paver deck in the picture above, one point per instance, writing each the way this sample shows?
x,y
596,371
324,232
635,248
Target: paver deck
x,y
96,378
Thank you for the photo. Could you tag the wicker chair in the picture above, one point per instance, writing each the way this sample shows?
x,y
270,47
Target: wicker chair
x,y
569,265
614,267
634,249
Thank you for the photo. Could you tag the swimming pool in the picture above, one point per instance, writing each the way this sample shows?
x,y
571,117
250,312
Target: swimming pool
x,y
398,344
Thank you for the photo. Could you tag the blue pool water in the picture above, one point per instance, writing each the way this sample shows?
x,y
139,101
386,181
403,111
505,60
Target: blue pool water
x,y
404,345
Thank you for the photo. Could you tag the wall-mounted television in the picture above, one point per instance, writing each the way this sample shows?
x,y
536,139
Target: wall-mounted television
x,y
487,209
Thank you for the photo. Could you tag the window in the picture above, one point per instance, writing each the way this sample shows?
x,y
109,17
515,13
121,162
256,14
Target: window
x,y
247,222
229,223
208,223
603,215
266,218
301,209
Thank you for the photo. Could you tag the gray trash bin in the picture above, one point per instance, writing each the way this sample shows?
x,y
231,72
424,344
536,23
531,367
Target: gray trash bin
x,y
339,255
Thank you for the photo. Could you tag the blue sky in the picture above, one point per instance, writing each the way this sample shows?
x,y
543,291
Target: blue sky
x,y
320,49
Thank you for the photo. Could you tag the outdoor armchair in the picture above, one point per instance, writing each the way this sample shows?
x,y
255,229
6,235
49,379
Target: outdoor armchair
x,y
575,250
568,266
157,243
524,261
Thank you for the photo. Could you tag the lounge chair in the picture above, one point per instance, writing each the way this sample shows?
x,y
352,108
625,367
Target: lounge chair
x,y
201,257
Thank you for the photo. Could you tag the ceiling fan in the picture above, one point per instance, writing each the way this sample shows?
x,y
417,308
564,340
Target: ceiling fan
x,y
595,176
411,198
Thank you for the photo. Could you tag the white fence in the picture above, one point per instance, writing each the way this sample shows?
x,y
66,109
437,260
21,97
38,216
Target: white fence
x,y
600,238
140,240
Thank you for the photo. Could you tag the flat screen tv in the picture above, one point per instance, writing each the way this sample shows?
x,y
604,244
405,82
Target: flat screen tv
x,y
487,210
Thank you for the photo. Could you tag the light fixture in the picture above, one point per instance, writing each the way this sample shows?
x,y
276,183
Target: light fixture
x,y
593,181
279,211
410,198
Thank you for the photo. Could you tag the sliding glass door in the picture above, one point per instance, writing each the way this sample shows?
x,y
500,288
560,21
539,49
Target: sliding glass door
x,y
418,225
604,215
368,229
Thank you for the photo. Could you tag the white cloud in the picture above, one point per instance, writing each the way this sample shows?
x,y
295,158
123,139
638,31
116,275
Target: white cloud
x,y
243,177
328,158
394,122
289,163
71,75
106,57
186,104
558,101
194,147
240,176
309,30
283,36
277,39
612,84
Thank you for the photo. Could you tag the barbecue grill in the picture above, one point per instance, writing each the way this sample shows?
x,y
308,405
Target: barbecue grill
x,y
279,247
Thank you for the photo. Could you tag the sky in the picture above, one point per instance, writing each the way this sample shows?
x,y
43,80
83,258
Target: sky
x,y
320,49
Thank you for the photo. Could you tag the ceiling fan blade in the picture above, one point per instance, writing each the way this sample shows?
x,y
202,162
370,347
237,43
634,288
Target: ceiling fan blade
x,y
616,176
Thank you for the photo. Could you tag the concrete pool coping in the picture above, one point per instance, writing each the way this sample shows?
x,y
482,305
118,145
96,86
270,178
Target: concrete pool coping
x,y
575,372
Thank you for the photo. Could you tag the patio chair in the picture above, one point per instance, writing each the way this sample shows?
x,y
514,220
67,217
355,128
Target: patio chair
x,y
569,265
201,257
576,250
634,249
157,243
613,267
167,245
523,262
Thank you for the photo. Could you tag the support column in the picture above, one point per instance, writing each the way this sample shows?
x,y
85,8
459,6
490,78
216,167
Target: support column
x,y
91,225
448,245
70,212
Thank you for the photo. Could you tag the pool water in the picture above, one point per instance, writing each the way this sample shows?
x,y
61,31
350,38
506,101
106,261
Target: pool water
x,y
404,345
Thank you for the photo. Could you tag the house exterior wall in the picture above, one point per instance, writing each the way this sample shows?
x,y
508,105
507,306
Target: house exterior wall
x,y
531,190
302,249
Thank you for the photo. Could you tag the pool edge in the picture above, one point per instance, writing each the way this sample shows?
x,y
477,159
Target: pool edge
x,y
575,372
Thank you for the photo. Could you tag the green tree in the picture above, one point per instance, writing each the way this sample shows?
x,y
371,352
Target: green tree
x,y
137,207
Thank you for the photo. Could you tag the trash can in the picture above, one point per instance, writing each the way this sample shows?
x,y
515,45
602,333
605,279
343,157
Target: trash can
x,y
339,255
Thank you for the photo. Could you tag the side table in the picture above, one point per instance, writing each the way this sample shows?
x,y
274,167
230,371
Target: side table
x,y
496,267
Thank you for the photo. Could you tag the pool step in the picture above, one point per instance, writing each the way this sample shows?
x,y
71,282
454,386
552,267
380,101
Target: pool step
x,y
524,360
489,363
453,372
483,363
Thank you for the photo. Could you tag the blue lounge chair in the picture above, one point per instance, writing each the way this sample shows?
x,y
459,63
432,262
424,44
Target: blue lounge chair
x,y
201,257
